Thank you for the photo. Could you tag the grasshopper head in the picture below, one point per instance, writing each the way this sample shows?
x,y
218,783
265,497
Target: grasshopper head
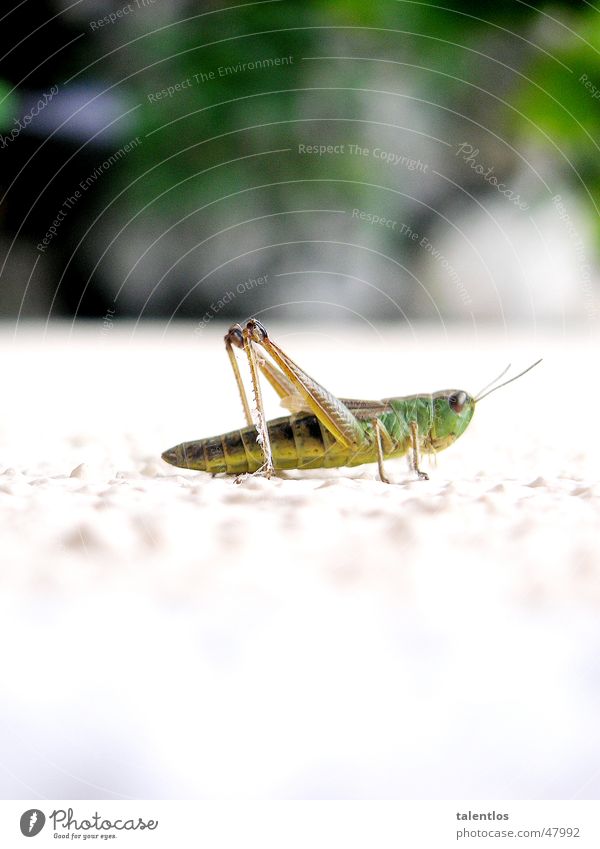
x,y
452,411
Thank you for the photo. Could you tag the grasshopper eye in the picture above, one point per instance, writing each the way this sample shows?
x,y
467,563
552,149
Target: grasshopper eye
x,y
457,401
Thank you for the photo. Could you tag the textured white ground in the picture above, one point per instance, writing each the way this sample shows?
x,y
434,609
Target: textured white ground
x,y
166,634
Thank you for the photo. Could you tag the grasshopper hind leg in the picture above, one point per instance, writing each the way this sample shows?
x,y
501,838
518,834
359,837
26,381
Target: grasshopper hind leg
x,y
292,384
235,338
252,334
240,337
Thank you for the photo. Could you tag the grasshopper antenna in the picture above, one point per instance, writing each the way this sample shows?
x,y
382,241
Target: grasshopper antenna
x,y
479,396
491,383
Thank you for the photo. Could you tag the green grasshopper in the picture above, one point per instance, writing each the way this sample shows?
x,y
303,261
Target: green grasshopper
x,y
324,431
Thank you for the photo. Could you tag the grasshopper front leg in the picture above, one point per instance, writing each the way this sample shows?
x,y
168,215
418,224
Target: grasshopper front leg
x,y
381,437
414,441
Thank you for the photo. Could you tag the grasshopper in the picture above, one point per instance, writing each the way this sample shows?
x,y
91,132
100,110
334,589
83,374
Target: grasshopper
x,y
324,431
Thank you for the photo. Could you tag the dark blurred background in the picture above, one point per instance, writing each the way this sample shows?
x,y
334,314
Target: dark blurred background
x,y
388,159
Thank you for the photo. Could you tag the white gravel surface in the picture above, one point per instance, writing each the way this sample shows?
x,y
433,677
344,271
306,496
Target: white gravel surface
x,y
167,634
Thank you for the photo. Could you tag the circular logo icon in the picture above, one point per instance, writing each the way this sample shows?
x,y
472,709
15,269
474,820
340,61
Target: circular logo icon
x,y
32,822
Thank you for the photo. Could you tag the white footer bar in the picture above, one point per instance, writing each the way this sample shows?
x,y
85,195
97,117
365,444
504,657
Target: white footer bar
x,y
301,824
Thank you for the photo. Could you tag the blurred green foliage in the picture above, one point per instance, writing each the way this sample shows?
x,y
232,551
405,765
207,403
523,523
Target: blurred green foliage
x,y
444,50
506,78
559,104
8,105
